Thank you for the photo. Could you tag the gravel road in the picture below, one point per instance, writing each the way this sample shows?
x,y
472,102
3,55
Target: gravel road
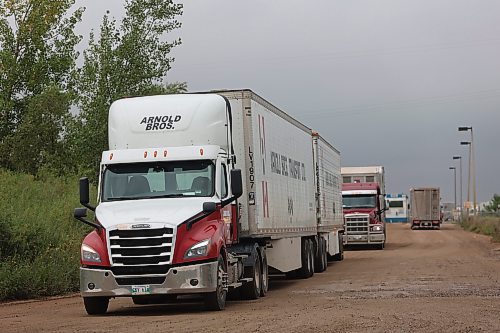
x,y
444,280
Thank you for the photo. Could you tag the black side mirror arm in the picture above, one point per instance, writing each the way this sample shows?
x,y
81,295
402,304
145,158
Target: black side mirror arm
x,y
81,213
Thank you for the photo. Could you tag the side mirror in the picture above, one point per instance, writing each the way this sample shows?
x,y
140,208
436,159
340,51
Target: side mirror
x,y
209,207
80,213
236,183
84,193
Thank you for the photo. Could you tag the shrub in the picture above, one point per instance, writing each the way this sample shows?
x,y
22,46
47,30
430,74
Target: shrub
x,y
489,226
39,238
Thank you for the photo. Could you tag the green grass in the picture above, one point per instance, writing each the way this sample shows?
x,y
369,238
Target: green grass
x,y
489,226
39,238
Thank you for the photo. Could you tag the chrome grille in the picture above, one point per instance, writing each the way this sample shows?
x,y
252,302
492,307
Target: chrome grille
x,y
357,224
141,256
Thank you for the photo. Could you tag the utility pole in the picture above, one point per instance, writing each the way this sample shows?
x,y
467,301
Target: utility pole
x,y
472,164
454,184
461,198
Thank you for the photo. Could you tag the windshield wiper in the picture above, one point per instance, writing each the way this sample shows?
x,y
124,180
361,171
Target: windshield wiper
x,y
176,195
123,198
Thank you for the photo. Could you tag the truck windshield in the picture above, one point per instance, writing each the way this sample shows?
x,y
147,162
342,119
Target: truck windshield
x,y
396,203
158,180
359,201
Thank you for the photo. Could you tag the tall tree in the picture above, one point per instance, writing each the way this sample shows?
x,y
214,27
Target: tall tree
x,y
37,55
127,58
494,204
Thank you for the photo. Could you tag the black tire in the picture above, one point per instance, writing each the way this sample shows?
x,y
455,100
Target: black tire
x,y
307,269
216,301
312,260
252,290
264,269
324,256
320,263
291,275
96,305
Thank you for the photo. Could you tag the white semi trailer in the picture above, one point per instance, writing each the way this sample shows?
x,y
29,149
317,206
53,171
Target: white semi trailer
x,y
203,193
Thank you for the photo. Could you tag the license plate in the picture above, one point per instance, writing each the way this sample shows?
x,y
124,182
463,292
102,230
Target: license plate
x,y
141,290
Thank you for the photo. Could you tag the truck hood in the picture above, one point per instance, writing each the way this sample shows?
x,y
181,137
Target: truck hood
x,y
369,211
169,211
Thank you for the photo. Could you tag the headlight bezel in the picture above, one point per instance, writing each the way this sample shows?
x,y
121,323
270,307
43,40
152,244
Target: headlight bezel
x,y
89,254
198,250
377,228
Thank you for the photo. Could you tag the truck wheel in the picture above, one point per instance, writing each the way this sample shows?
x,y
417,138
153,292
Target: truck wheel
x,y
252,290
324,256
96,305
312,259
264,281
216,300
307,269
320,265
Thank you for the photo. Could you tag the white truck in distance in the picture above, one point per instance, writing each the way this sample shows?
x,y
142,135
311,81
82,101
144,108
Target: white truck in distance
x,y
203,193
398,208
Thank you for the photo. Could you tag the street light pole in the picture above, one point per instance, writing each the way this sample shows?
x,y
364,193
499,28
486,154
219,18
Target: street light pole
x,y
454,184
473,152
461,198
467,143
472,162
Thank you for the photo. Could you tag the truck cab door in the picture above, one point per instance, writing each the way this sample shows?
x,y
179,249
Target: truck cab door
x,y
227,211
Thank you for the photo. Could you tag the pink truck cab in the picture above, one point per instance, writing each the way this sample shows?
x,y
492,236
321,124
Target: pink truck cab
x,y
364,214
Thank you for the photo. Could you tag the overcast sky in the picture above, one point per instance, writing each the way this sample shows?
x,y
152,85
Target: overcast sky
x,y
387,82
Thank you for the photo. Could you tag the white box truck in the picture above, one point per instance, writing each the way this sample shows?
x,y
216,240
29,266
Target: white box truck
x,y
204,193
425,208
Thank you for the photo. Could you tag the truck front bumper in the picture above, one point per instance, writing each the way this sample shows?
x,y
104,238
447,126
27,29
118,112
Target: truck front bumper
x,y
192,279
371,238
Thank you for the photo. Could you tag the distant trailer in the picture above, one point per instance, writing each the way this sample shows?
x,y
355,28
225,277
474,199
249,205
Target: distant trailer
x,y
398,208
425,208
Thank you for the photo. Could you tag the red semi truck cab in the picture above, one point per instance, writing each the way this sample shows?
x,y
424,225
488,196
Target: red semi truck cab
x,y
364,218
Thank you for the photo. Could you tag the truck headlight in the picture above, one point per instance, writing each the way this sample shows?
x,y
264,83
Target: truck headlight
x,y
377,228
197,250
89,254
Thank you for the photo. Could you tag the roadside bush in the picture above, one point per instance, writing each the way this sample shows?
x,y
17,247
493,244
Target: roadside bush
x,y
489,226
39,239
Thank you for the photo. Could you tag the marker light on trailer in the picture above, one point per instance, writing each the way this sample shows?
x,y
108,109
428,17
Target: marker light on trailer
x,y
201,151
164,153
110,156
155,153
145,154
